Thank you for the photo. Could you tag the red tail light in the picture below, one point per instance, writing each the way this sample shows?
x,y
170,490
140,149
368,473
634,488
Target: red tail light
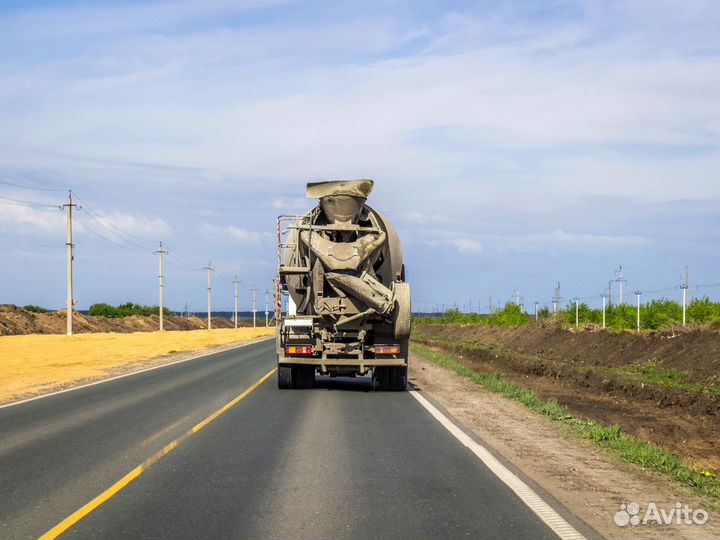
x,y
299,349
386,349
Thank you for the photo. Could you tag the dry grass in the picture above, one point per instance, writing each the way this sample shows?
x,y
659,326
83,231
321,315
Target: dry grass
x,y
33,364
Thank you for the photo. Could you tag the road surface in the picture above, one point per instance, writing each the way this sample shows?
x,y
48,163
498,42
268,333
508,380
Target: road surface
x,y
337,461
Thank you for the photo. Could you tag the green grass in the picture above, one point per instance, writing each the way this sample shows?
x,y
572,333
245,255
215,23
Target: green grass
x,y
625,446
649,373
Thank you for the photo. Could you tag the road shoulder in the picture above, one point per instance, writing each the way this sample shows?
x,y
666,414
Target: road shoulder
x,y
586,480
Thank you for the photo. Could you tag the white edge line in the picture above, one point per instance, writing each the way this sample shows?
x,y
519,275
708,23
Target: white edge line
x,y
543,510
55,393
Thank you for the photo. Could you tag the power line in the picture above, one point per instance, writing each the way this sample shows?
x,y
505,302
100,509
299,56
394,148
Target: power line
x,y
21,202
109,240
174,265
224,276
706,286
120,236
187,260
178,263
103,218
30,187
114,229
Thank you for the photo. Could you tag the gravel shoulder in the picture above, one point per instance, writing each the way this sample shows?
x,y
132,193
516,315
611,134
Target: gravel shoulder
x,y
590,482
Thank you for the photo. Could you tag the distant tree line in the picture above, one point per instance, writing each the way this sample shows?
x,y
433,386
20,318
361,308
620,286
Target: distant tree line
x,y
124,310
36,309
654,315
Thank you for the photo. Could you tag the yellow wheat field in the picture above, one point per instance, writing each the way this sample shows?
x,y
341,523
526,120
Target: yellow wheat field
x,y
34,364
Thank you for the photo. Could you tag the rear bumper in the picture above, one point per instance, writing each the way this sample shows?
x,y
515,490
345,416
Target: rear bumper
x,y
345,362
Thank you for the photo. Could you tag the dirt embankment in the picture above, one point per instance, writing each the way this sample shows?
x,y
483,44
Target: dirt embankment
x,y
17,321
662,387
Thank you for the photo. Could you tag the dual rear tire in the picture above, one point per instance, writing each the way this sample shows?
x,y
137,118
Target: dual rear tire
x,y
295,377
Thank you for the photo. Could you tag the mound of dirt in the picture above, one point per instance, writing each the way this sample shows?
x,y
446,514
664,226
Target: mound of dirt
x,y
694,351
598,375
15,320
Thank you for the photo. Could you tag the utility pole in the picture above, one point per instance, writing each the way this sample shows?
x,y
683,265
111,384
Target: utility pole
x,y
236,282
638,311
267,307
254,307
621,281
209,269
604,297
69,205
536,310
557,299
577,312
161,279
517,296
609,293
490,305
685,295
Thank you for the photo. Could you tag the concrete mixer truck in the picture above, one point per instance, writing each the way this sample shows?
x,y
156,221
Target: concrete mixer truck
x,y
348,304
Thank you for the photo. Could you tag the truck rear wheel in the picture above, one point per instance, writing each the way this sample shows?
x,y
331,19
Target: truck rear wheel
x,y
284,377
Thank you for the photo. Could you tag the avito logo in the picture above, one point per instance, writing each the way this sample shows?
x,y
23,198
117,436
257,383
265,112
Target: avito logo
x,y
681,514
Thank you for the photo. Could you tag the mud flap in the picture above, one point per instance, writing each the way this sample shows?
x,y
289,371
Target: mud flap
x,y
389,378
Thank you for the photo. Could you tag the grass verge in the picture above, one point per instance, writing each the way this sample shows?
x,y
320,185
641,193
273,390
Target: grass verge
x,y
625,446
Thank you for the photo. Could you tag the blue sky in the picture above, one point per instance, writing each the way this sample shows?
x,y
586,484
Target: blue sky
x,y
511,144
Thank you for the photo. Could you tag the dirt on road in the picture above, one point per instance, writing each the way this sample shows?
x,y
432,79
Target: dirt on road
x,y
15,320
662,387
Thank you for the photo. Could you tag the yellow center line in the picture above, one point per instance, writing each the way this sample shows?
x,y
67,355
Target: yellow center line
x,y
118,486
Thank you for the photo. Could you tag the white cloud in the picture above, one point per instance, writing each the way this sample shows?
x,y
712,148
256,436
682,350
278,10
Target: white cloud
x,y
486,131
223,233
137,226
420,218
164,101
567,241
25,220
554,241
294,204
467,245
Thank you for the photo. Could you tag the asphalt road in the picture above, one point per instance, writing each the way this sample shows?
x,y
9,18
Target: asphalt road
x,y
337,461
